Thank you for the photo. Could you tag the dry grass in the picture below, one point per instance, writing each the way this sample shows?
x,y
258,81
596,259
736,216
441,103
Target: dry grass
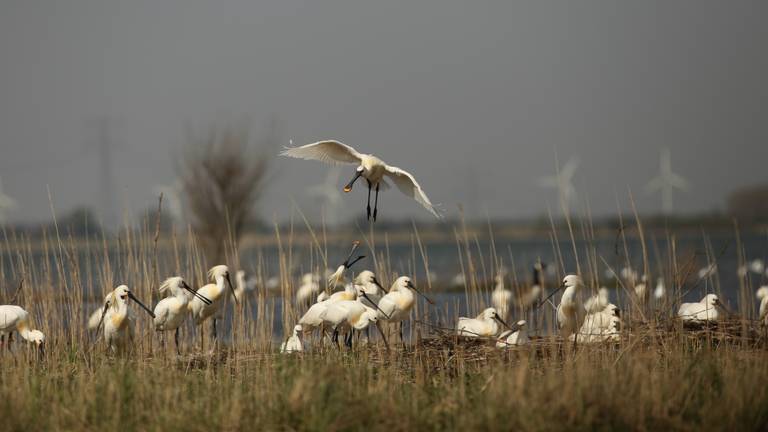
x,y
658,377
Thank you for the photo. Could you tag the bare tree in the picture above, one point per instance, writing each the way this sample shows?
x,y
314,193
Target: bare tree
x,y
222,181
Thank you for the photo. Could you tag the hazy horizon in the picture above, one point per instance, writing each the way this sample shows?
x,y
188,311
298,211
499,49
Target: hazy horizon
x,y
475,99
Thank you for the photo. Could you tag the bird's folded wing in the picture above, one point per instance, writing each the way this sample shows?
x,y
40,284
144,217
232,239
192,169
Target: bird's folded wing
x,y
330,151
410,187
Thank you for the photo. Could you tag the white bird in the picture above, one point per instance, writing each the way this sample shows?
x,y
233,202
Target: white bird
x,y
369,167
171,311
312,318
215,292
369,290
666,182
337,277
294,343
94,320
563,182
756,266
484,325
501,297
641,288
570,311
516,337
243,285
704,311
14,318
348,314
597,302
396,305
660,290
598,325
762,295
118,322
310,285
607,330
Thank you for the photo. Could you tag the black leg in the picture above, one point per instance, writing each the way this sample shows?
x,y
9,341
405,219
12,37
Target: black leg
x,y
202,338
376,202
401,335
335,338
348,339
368,208
214,329
176,339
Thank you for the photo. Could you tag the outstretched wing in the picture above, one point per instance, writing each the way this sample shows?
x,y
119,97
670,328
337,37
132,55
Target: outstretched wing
x,y
330,151
410,187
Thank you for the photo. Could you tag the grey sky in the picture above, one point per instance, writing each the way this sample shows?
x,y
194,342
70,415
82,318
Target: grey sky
x,y
450,90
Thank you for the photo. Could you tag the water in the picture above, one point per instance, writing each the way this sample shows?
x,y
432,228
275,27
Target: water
x,y
445,264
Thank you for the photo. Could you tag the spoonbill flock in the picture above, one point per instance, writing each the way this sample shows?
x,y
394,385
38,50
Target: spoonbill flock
x,y
351,305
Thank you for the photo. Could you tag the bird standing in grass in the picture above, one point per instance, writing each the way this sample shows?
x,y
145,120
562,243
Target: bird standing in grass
x,y
501,297
14,318
171,311
371,168
395,307
570,311
294,343
117,319
215,293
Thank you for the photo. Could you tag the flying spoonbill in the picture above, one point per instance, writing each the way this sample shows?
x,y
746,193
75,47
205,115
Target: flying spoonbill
x,y
118,322
369,167
14,318
171,311
484,325
214,292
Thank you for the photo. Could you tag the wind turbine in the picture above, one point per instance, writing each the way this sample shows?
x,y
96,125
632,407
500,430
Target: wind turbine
x,y
327,195
563,182
666,182
6,204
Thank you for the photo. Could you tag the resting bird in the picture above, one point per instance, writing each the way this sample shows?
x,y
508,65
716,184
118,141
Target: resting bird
x,y
369,167
704,311
484,325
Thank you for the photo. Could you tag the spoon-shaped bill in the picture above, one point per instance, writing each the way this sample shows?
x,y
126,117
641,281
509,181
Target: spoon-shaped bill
x,y
348,187
143,306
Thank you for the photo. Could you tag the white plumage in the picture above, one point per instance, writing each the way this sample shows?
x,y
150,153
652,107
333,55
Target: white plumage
x,y
704,311
118,322
570,311
501,298
171,311
215,292
14,318
294,343
369,167
762,295
484,325
515,337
